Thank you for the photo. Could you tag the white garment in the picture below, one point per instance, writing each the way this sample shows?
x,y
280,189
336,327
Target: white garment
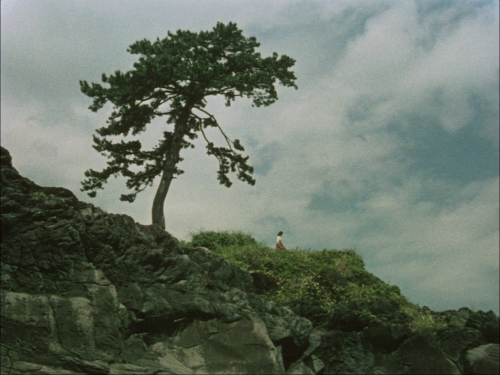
x,y
278,240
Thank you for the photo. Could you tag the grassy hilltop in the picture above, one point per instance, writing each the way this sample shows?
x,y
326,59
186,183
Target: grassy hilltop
x,y
333,278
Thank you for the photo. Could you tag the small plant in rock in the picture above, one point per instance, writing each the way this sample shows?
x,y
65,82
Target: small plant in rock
x,y
41,195
423,319
184,243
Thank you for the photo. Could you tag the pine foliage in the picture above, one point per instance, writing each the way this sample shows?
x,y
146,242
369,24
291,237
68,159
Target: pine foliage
x,y
173,78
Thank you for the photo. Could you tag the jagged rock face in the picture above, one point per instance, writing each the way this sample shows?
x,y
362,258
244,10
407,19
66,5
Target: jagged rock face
x,y
84,291
87,291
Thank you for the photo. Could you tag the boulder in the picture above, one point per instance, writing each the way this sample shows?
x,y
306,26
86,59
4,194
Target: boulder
x,y
437,352
487,323
212,346
483,360
344,353
310,309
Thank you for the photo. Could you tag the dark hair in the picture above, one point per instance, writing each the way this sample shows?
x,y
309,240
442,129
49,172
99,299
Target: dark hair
x,y
280,233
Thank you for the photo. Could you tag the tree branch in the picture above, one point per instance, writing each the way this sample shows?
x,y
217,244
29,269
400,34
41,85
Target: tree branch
x,y
228,141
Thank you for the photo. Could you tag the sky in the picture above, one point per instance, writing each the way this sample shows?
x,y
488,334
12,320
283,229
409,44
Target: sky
x,y
390,145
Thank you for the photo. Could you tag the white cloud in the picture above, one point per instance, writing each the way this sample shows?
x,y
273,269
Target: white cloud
x,y
455,251
404,75
341,141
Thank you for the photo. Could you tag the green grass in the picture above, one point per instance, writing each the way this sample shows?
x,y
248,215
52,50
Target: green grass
x,y
300,274
423,319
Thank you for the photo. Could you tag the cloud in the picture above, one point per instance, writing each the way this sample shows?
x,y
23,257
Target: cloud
x,y
449,244
390,145
436,80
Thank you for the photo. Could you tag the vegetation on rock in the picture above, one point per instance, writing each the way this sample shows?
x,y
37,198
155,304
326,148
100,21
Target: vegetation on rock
x,y
334,278
86,291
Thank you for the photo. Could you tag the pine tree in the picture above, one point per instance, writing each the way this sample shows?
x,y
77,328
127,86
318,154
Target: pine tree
x,y
173,78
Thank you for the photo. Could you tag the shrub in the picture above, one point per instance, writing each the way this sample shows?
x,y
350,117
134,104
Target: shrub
x,y
41,195
423,319
213,240
300,275
296,271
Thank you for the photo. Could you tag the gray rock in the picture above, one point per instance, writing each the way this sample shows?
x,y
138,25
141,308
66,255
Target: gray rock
x,y
437,352
300,368
35,368
487,323
241,347
86,291
483,360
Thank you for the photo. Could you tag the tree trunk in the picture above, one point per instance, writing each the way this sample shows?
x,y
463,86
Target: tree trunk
x,y
158,216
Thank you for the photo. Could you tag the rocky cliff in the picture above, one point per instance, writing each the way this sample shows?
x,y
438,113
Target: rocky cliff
x,y
85,291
